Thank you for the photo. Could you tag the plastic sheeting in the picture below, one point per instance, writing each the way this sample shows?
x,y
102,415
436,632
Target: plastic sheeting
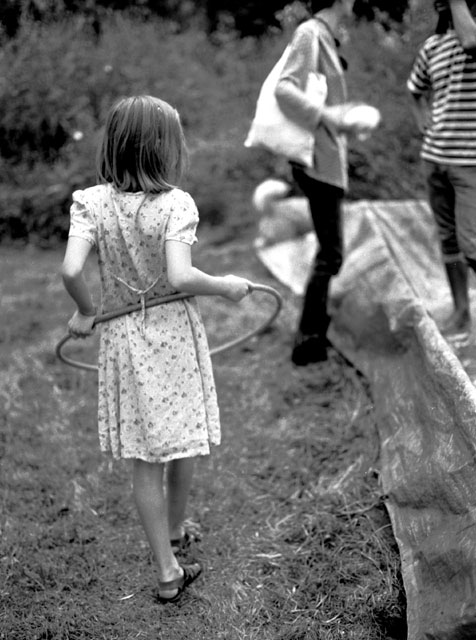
x,y
385,305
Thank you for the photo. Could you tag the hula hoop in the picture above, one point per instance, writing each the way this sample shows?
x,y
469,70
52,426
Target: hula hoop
x,y
177,296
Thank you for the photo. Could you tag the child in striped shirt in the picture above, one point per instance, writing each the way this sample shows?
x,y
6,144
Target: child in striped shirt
x,y
443,85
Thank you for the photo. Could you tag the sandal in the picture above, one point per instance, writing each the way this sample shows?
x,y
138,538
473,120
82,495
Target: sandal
x,y
183,543
190,573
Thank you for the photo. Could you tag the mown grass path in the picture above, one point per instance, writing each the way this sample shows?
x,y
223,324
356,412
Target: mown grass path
x,y
296,543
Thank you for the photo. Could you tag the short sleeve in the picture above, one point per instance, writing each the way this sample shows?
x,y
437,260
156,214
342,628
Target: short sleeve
x,y
290,91
419,81
82,223
183,219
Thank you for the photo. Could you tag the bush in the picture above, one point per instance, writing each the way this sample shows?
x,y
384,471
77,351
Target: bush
x,y
58,82
58,85
386,165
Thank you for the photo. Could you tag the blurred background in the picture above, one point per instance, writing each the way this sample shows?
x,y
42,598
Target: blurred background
x,y
63,62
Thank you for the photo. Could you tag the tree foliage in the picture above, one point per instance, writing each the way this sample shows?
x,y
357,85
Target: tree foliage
x,y
57,82
254,18
381,9
246,17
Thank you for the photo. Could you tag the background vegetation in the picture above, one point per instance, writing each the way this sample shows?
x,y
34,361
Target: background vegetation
x,y
59,74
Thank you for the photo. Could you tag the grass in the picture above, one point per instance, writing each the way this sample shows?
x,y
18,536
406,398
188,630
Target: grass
x,y
296,542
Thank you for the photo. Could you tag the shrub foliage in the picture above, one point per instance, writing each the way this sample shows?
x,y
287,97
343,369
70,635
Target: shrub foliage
x,y
58,79
246,17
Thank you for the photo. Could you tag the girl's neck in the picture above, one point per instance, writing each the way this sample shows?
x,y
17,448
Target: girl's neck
x,y
330,17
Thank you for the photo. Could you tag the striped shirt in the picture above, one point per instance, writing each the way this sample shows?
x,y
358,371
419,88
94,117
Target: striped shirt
x,y
445,74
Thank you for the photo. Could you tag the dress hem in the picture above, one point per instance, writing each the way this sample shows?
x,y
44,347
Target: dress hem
x,y
205,451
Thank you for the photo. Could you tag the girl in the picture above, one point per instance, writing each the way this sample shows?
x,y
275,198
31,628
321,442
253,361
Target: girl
x,y
157,399
325,183
441,84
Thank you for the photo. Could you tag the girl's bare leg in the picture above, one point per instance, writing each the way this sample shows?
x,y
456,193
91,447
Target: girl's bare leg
x,y
179,475
148,488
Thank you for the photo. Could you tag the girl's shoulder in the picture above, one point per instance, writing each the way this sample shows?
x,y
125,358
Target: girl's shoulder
x,y
306,29
306,33
91,194
311,27
177,196
440,40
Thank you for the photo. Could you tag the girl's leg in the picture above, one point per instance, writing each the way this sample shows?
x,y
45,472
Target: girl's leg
x,y
325,202
460,319
148,488
451,196
179,475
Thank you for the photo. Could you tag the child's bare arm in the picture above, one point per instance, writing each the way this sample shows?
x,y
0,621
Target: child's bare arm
x,y
75,258
185,277
421,111
464,24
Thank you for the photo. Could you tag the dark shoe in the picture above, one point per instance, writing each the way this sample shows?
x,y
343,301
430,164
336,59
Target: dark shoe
x,y
190,573
308,349
183,543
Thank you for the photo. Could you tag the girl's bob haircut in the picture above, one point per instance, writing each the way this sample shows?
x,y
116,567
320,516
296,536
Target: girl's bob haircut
x,y
143,146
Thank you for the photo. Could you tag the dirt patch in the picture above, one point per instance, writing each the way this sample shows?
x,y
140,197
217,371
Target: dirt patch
x,y
296,542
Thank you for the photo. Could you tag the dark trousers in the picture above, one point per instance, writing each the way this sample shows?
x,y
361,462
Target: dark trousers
x,y
452,196
325,202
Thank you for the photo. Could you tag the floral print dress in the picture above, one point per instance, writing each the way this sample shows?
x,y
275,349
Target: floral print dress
x,y
156,393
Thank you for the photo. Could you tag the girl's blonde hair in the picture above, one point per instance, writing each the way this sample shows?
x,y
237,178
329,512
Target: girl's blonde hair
x,y
143,146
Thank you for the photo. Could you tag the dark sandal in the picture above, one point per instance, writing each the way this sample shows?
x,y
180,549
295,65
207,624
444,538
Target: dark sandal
x,y
190,573
183,543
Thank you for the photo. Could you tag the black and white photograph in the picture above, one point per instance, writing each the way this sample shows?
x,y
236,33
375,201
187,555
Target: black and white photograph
x,y
237,354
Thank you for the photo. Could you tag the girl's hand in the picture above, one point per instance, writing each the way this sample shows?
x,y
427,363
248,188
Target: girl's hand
x,y
335,117
80,325
422,112
236,288
352,118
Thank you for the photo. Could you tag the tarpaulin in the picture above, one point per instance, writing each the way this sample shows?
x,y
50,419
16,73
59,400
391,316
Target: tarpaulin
x,y
386,305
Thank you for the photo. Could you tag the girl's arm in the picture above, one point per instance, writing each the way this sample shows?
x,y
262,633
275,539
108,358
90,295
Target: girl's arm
x,y
290,89
77,251
464,24
183,276
421,111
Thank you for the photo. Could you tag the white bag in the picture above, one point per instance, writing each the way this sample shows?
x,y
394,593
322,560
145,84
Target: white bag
x,y
275,131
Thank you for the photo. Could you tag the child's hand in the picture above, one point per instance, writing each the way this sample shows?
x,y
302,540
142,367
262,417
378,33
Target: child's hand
x,y
334,116
236,288
352,118
80,325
